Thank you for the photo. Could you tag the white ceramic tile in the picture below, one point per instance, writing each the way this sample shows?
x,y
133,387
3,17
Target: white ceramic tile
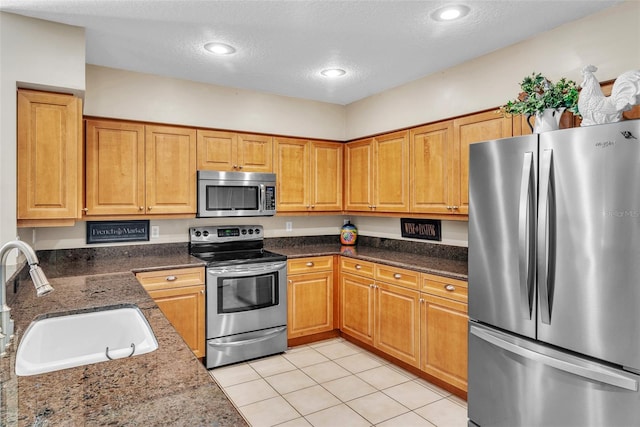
x,y
249,392
336,416
459,401
327,371
298,422
433,387
311,399
377,407
383,377
444,413
349,388
234,374
272,365
287,382
270,412
325,342
410,419
358,362
337,350
412,394
305,358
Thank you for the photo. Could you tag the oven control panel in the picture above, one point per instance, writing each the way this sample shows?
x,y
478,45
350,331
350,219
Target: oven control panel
x,y
221,234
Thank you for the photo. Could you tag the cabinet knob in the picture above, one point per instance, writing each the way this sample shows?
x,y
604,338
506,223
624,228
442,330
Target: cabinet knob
x,y
397,276
171,278
372,286
202,291
309,264
240,167
455,208
421,300
141,208
149,208
450,288
85,210
358,267
313,206
235,166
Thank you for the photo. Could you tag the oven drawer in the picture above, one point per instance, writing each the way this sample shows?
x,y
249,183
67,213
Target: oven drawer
x,y
250,345
310,264
168,279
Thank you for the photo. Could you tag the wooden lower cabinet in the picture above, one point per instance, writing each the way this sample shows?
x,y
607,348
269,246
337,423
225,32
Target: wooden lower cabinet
x,y
180,295
310,296
356,307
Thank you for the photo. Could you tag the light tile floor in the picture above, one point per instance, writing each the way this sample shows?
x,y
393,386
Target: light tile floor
x,y
335,383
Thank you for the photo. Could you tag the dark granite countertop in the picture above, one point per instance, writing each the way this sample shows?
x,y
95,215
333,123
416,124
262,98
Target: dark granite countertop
x,y
449,262
168,386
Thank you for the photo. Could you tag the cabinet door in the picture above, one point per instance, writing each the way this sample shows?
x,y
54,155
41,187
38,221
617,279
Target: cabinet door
x,y
216,150
170,170
310,302
115,168
431,169
292,174
326,173
255,153
358,175
184,307
397,322
356,307
444,339
391,173
467,130
49,155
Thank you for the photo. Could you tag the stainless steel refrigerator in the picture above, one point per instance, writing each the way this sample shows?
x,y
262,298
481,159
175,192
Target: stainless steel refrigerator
x,y
554,278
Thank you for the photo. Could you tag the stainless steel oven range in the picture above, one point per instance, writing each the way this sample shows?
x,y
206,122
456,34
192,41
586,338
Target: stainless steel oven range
x,y
246,289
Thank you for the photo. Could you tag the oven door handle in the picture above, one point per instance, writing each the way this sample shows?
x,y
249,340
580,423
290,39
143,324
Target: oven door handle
x,y
265,337
246,270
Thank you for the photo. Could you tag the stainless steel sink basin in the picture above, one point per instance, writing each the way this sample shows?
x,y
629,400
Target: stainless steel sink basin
x,y
66,340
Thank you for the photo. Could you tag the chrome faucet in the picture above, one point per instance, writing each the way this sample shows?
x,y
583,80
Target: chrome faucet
x,y
39,281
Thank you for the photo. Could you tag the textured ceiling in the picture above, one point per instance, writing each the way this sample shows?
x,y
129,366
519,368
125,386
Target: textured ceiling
x,y
283,45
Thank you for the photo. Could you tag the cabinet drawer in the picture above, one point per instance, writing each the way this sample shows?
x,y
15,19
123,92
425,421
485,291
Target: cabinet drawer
x,y
445,287
397,276
306,265
354,266
167,279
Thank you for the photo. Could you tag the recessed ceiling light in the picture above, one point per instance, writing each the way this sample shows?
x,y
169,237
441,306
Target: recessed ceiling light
x,y
219,48
450,13
333,72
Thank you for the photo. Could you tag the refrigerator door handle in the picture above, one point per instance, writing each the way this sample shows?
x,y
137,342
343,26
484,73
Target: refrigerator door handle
x,y
526,231
546,235
593,374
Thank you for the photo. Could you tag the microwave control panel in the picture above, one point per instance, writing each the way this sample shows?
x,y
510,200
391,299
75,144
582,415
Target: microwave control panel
x,y
270,198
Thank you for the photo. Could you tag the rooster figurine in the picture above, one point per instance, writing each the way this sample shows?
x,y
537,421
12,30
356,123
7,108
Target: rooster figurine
x,y
596,108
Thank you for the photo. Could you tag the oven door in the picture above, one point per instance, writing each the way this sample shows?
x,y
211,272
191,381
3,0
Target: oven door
x,y
245,298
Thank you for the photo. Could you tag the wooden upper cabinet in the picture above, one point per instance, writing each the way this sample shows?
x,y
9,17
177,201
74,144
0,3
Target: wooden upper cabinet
x,y
49,156
326,176
358,175
115,181
170,170
229,151
466,131
377,174
134,169
292,174
432,154
391,173
309,175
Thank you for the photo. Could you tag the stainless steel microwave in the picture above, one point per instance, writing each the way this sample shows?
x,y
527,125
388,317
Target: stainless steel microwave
x,y
224,194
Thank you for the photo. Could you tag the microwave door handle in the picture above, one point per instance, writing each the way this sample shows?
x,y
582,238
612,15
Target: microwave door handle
x,y
261,198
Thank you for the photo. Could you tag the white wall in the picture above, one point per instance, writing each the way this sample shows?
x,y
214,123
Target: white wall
x,y
35,54
136,96
609,40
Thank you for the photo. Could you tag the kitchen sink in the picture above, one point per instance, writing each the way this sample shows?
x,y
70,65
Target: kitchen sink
x,y
65,340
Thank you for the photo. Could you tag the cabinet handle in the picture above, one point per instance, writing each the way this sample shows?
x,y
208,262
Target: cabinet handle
x,y
202,292
450,288
171,278
372,285
240,167
141,208
421,300
455,207
313,206
358,267
397,276
85,210
149,208
235,166
309,264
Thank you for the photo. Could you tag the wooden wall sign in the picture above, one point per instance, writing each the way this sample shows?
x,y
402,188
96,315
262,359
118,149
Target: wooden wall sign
x,y
117,231
427,229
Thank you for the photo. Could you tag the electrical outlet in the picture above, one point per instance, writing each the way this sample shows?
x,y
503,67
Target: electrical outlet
x,y
288,226
155,231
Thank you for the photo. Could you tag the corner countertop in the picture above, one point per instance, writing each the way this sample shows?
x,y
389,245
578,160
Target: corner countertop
x,y
168,386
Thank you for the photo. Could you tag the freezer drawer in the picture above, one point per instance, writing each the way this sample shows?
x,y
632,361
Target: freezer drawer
x,y
518,382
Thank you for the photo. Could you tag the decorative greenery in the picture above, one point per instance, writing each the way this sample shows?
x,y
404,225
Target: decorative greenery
x,y
539,93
